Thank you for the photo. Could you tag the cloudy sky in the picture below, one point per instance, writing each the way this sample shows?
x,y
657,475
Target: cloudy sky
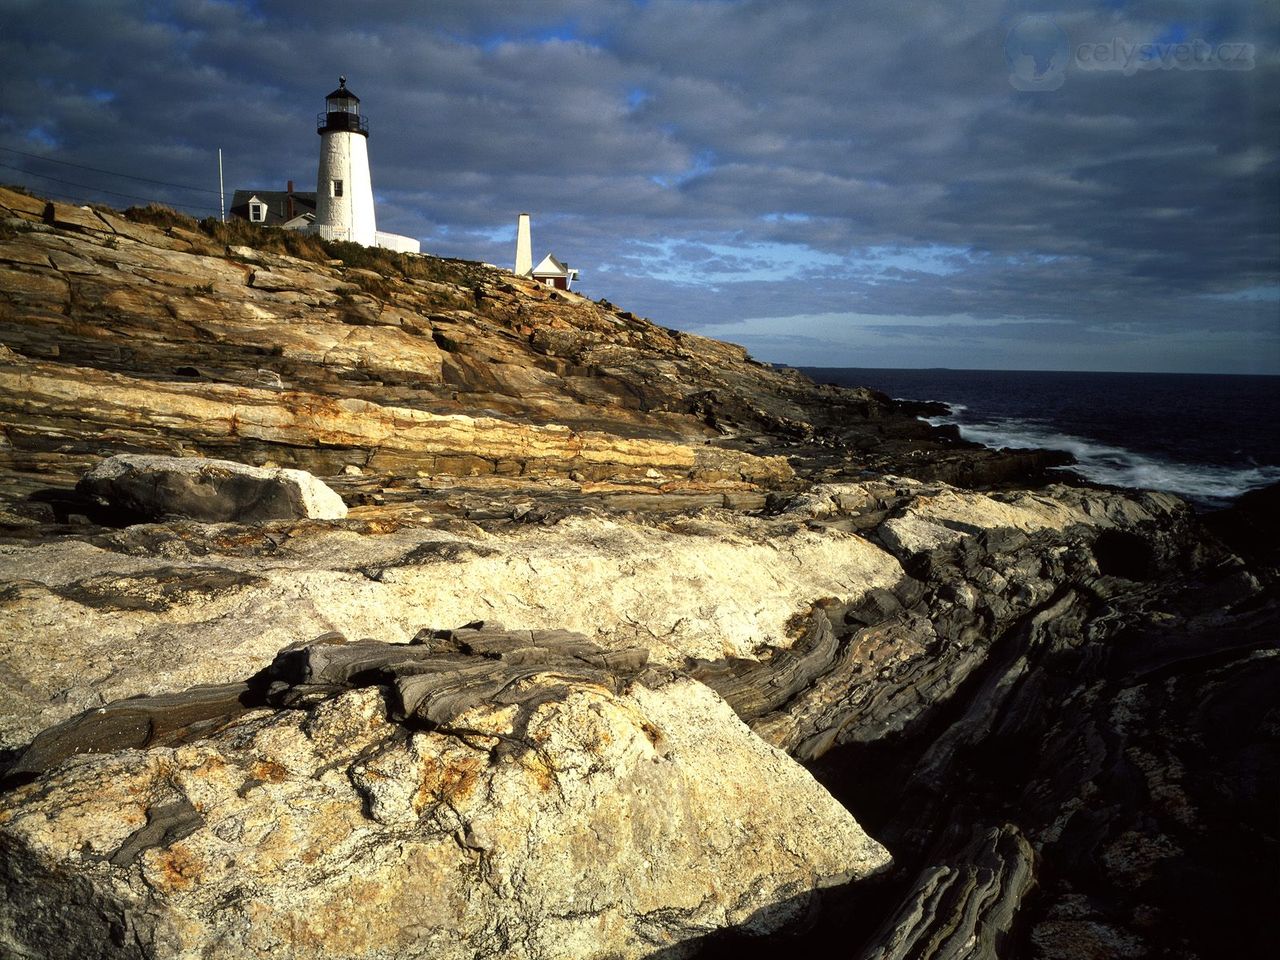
x,y
963,183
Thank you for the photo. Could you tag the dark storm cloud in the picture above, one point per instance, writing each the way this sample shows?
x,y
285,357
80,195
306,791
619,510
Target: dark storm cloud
x,y
717,164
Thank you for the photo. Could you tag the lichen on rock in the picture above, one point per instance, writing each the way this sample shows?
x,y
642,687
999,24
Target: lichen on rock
x,y
564,810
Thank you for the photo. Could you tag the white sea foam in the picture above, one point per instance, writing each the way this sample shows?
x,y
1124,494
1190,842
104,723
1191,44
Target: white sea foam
x,y
1209,484
955,408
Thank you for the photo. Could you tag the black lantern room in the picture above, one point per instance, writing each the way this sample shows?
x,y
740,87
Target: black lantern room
x,y
342,112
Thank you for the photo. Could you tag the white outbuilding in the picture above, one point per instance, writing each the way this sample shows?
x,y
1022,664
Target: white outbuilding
x,y
550,272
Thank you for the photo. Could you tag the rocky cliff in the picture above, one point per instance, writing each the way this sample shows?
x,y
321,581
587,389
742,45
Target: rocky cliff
x,y
122,335
626,644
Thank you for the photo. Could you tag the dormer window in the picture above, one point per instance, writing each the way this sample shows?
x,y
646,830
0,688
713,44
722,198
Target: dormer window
x,y
257,211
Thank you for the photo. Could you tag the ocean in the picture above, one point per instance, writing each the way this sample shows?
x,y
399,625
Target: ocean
x,y
1208,438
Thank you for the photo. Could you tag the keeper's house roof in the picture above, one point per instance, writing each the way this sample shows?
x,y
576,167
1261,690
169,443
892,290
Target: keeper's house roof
x,y
276,202
551,267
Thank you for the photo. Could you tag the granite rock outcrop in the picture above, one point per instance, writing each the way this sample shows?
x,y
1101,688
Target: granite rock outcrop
x,y
1054,706
171,340
146,603
478,793
193,488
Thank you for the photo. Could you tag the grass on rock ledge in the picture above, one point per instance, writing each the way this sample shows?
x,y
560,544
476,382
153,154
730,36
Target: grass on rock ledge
x,y
305,246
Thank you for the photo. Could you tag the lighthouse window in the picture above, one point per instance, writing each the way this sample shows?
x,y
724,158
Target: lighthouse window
x,y
335,188
257,212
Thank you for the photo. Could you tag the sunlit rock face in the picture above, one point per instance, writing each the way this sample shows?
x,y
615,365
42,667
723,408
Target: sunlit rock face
x,y
171,342
160,607
483,792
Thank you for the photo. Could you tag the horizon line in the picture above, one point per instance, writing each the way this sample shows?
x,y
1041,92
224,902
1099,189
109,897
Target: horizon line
x,y
1148,373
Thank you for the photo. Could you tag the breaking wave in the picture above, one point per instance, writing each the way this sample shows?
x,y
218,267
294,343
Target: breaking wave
x,y
1210,485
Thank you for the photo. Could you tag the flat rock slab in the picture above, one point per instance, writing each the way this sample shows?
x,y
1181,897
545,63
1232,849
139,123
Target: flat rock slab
x,y
214,491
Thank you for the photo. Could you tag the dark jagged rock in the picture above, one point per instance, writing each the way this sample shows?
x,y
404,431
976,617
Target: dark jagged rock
x,y
444,674
1098,685
964,907
158,591
440,676
1110,706
1251,527
133,724
898,654
754,688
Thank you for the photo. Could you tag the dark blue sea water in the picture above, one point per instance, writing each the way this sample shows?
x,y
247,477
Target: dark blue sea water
x,y
1208,438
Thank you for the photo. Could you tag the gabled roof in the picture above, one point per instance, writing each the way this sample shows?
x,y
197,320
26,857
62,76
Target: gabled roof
x,y
300,221
551,267
276,202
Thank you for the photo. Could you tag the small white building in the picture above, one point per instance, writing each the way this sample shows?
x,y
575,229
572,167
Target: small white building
x,y
551,272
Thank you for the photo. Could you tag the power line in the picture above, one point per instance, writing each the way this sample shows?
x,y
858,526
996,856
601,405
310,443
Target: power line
x,y
113,173
88,186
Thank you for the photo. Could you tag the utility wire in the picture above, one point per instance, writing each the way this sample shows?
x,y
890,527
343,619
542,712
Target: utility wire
x,y
127,176
87,186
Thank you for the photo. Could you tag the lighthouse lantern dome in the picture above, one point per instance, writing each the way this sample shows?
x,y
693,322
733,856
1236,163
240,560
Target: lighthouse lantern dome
x,y
342,100
342,112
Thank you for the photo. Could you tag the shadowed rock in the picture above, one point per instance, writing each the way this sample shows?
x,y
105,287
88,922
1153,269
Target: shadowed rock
x,y
211,490
965,907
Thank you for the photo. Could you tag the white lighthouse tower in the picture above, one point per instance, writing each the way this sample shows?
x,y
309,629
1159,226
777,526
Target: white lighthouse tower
x,y
344,192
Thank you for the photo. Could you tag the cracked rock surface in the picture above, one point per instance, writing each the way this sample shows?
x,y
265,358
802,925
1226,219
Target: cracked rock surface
x,y
480,793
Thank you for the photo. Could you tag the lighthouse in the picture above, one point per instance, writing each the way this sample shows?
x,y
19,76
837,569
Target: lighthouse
x,y
344,191
342,206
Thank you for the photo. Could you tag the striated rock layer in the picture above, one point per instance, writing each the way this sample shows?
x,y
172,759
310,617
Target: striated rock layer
x,y
168,340
1086,708
94,616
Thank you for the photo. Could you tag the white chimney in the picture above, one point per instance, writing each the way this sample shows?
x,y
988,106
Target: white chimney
x,y
524,247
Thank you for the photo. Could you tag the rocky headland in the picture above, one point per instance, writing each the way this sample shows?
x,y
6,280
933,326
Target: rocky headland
x,y
520,626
